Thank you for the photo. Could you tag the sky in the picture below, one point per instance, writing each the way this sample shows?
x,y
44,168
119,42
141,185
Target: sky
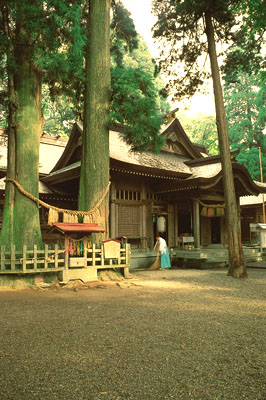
x,y
144,20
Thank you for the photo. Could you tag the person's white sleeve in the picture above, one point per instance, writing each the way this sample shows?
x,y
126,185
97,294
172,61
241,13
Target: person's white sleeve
x,y
162,245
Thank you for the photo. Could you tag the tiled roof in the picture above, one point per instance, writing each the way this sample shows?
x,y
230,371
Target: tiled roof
x,y
120,150
205,171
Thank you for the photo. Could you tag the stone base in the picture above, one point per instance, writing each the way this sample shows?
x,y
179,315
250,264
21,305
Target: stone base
x,y
84,274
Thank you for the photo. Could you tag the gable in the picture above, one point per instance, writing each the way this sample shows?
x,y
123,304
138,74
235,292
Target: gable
x,y
178,142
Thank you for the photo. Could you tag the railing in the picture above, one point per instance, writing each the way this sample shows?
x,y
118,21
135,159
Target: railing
x,y
31,260
36,260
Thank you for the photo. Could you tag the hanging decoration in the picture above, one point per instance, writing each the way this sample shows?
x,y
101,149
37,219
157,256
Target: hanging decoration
x,y
212,210
91,216
161,224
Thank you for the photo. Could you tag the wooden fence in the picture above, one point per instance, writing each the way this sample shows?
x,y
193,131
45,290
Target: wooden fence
x,y
31,260
52,260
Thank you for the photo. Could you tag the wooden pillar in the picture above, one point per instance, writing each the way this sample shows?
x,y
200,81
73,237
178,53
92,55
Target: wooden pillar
x,y
171,226
143,222
196,224
176,223
112,212
66,252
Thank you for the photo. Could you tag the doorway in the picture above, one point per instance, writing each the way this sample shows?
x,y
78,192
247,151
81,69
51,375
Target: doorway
x,y
215,230
184,223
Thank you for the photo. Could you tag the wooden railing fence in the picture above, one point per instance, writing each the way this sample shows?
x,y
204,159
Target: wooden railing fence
x,y
34,260
13,261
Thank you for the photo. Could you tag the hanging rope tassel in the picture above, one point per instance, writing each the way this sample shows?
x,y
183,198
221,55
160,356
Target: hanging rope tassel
x,y
52,216
70,215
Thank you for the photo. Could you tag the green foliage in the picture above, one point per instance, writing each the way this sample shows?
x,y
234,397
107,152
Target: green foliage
x,y
134,105
180,29
245,53
59,115
123,33
141,59
137,95
57,34
202,130
246,114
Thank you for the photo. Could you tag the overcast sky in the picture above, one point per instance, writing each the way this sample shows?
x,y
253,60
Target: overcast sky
x,y
144,20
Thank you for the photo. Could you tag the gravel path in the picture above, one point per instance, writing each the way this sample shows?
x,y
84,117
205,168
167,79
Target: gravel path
x,y
175,334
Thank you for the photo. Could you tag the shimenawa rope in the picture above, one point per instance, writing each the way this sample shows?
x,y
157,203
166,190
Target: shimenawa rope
x,y
91,213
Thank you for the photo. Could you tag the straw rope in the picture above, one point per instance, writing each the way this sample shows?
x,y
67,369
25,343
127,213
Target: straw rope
x,y
210,205
55,210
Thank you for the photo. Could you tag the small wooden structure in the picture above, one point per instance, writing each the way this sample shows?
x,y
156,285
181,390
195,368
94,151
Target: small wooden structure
x,y
185,240
262,233
83,259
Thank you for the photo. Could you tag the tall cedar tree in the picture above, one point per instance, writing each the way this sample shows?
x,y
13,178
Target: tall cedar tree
x,y
29,31
187,23
94,173
126,82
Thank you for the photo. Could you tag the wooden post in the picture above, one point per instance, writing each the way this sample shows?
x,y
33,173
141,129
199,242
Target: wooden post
x,y
2,258
24,258
85,251
93,254
46,256
35,257
66,252
112,212
261,175
56,255
102,255
13,257
171,226
196,224
126,269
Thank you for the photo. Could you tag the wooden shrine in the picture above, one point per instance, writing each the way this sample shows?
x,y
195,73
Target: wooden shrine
x,y
83,258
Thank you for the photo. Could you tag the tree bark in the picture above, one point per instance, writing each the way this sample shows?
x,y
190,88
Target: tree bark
x,y
21,222
237,264
94,175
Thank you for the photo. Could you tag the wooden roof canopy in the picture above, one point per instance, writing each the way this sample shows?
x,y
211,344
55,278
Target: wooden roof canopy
x,y
67,227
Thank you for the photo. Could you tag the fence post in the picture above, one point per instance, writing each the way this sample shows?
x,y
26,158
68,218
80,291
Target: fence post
x,y
102,255
93,254
66,252
127,253
85,252
13,256
24,258
2,257
35,257
46,256
56,255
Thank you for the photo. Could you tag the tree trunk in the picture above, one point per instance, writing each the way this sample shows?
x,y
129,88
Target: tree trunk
x,y
94,175
21,222
237,264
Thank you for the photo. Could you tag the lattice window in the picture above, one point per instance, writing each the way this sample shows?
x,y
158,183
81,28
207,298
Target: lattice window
x,y
128,195
154,196
128,221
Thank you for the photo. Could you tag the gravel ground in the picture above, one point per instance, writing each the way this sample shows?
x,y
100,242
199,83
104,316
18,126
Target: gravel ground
x,y
175,334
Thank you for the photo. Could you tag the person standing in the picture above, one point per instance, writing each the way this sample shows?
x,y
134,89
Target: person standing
x,y
163,250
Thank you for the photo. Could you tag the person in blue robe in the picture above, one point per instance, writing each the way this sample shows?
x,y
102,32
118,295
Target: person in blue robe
x,y
164,252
